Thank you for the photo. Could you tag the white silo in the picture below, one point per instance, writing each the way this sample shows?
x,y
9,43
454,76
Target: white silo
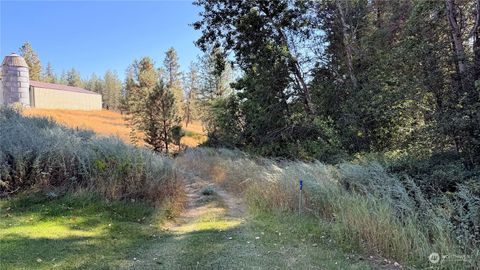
x,y
1,87
15,80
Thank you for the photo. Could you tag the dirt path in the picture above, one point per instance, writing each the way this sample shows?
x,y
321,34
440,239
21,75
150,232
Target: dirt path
x,y
214,232
208,207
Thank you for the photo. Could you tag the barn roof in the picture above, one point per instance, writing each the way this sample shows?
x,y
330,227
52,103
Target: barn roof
x,y
61,87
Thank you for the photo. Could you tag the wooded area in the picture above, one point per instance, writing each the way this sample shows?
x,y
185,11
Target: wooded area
x,y
329,80
324,80
350,76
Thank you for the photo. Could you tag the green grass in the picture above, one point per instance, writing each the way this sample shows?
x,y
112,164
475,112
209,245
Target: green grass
x,y
216,240
72,232
193,134
86,232
279,246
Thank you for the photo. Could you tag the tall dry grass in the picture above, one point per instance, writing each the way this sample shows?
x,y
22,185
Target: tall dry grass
x,y
38,153
363,206
108,123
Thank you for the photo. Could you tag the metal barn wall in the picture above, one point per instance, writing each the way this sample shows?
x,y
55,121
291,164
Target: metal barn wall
x,y
57,99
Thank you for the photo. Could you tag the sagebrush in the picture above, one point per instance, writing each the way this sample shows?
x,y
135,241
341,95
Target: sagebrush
x,y
38,153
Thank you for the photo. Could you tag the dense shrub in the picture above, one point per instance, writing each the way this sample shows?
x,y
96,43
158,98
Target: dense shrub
x,y
364,205
38,153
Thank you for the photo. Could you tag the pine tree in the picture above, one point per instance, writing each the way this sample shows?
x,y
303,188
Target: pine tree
x,y
92,84
112,92
215,76
191,98
73,78
160,119
173,78
63,78
140,81
214,87
33,62
49,75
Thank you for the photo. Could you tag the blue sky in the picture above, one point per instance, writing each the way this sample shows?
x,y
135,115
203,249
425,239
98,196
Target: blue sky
x,y
96,36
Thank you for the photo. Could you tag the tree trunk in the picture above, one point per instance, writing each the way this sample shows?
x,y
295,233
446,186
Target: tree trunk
x,y
165,135
378,6
309,106
476,43
348,46
459,50
297,73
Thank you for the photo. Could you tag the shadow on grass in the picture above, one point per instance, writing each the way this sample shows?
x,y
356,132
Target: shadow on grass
x,y
72,232
82,232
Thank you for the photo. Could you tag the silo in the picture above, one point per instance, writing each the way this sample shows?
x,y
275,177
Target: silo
x,y
15,80
1,87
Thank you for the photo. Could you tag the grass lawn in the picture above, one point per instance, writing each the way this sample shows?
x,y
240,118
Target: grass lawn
x,y
72,232
265,242
81,232
85,232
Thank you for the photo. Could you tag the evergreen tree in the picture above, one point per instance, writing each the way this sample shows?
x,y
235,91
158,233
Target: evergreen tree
x,y
33,62
63,78
173,78
214,88
49,75
73,78
94,84
215,76
112,90
191,109
161,120
274,101
141,79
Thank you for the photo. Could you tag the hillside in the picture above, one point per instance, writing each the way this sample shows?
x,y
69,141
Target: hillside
x,y
109,123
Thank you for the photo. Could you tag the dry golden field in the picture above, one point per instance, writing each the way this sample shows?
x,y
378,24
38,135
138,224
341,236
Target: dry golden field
x,y
109,123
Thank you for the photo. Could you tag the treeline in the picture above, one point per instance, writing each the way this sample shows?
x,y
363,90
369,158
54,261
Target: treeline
x,y
158,99
330,79
110,86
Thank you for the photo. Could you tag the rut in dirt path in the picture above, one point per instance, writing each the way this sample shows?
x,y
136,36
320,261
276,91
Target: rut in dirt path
x,y
204,229
209,205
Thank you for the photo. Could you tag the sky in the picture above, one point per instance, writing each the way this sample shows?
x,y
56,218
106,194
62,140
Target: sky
x,y
96,36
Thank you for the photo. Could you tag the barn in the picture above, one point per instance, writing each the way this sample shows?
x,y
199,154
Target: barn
x,y
16,87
